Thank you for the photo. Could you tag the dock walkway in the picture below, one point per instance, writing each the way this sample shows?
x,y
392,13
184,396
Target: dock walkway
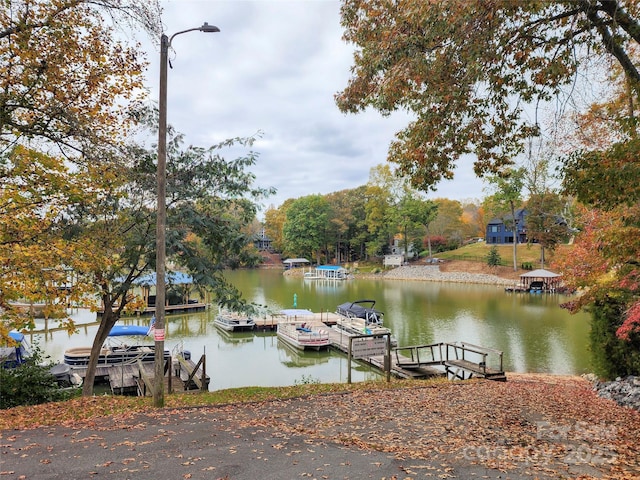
x,y
459,360
136,378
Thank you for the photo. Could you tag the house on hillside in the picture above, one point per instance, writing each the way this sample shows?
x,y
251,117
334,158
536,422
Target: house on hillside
x,y
500,230
397,247
262,242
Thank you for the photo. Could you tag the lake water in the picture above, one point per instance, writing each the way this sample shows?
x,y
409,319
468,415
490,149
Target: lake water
x,y
534,333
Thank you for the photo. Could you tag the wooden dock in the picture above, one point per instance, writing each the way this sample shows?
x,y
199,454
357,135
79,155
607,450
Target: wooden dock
x,y
456,361
169,309
138,378
340,341
459,360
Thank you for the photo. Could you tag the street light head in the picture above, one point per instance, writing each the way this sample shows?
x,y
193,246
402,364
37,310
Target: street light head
x,y
209,28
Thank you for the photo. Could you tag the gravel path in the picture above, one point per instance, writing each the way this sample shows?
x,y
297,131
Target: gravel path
x,y
433,273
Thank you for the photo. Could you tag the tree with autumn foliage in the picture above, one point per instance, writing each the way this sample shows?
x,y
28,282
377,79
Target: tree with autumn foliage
x,y
473,73
66,80
211,201
468,70
66,84
604,266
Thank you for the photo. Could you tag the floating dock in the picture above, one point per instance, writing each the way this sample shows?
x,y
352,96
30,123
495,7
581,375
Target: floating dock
x,y
455,360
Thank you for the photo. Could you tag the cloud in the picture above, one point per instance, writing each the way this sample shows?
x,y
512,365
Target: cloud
x,y
275,67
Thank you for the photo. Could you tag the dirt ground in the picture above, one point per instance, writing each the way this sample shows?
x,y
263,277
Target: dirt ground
x,y
479,267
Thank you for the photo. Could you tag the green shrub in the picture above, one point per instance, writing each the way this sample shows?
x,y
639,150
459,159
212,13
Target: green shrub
x,y
493,257
29,384
611,356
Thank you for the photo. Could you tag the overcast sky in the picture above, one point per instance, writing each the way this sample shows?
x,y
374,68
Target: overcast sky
x,y
275,67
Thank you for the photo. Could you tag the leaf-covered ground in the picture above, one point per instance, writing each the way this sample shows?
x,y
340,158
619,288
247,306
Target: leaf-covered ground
x,y
532,426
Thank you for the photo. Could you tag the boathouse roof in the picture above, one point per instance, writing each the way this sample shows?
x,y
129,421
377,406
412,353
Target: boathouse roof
x,y
171,278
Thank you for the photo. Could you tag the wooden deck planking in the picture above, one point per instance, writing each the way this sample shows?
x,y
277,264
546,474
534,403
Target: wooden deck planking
x,y
401,372
475,368
125,379
169,309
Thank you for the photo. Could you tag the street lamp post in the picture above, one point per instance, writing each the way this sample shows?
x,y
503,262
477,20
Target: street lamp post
x,y
161,222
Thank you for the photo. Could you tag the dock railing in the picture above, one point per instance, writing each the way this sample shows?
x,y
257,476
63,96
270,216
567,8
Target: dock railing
x,y
468,352
196,373
419,355
146,384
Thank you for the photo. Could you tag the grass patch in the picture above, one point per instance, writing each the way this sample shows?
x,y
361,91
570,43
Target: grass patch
x,y
526,253
87,409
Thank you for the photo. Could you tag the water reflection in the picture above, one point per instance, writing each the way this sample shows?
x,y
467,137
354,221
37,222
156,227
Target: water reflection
x,y
534,333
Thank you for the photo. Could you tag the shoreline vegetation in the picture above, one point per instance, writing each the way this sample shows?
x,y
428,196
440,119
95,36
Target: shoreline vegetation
x,y
453,271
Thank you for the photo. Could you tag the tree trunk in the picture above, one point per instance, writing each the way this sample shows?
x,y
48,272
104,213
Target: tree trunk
x,y
406,245
109,318
515,237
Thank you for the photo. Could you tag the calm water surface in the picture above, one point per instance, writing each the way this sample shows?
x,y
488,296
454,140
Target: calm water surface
x,y
534,333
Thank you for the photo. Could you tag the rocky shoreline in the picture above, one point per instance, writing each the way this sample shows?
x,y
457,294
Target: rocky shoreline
x,y
432,273
624,391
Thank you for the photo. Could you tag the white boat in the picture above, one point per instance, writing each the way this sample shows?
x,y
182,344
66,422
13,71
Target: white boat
x,y
363,309
298,332
233,321
357,326
357,319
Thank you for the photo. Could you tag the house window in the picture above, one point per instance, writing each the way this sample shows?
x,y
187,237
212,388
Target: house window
x,y
494,228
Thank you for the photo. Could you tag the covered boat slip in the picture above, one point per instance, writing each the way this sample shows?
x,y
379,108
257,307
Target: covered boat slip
x,y
538,281
177,297
327,272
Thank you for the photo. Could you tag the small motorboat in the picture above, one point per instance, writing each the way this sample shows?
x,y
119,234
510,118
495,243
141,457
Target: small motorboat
x,y
363,309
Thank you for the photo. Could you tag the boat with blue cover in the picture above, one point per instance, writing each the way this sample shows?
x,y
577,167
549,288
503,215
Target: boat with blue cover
x,y
120,352
19,352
